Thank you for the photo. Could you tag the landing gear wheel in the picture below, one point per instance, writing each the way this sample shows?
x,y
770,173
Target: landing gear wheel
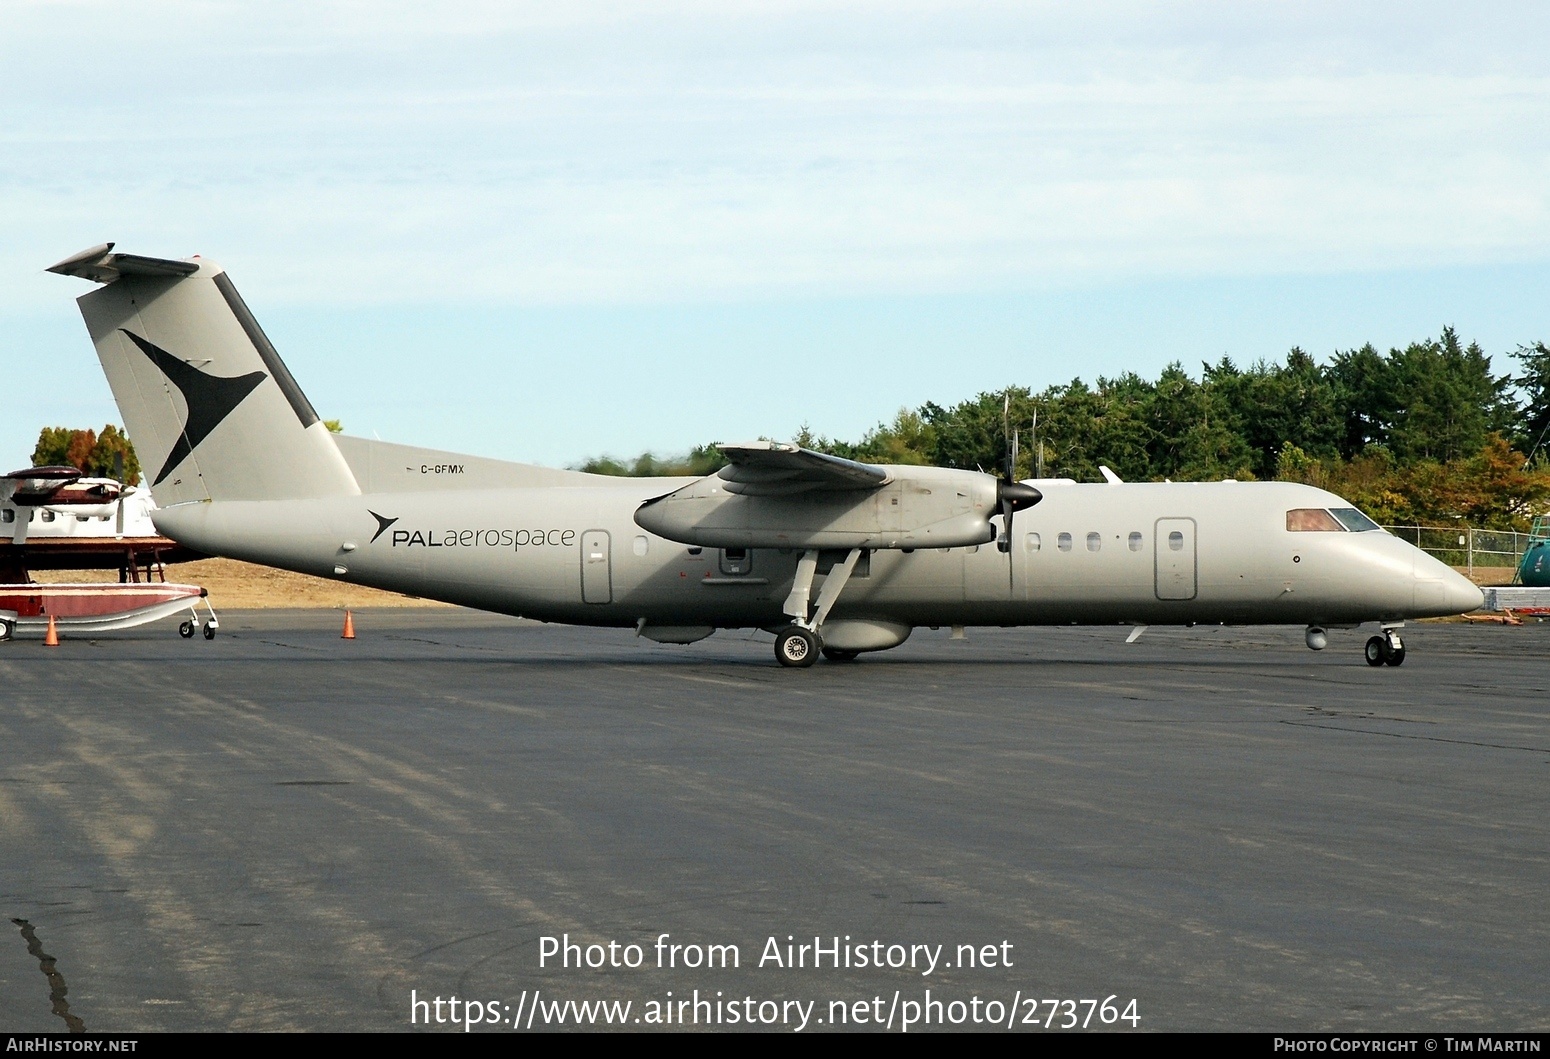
x,y
796,647
834,654
1395,655
209,630
186,630
1377,651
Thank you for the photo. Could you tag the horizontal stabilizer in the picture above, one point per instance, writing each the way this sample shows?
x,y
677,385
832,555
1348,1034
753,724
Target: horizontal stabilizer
x,y
100,265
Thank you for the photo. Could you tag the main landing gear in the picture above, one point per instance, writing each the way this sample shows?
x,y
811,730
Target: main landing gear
x,y
797,647
1386,650
799,644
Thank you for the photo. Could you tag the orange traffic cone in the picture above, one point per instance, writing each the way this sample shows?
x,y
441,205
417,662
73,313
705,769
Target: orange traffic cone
x,y
349,627
51,638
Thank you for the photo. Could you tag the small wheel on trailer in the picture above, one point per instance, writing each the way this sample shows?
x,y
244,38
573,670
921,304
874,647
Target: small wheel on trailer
x,y
834,654
796,647
7,630
186,630
209,630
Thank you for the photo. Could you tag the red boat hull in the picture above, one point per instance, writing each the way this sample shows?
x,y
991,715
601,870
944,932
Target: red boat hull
x,y
95,607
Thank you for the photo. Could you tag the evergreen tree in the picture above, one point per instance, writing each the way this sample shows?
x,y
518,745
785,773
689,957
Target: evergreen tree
x,y
1448,400
1534,420
1363,384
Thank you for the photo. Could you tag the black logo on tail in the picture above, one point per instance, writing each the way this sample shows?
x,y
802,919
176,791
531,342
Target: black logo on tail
x,y
210,399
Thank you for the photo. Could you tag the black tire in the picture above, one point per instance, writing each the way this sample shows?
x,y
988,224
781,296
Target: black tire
x,y
1396,655
209,631
1377,651
834,654
796,648
7,630
186,630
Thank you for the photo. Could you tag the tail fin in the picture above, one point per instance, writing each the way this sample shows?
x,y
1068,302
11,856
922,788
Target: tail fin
x,y
212,410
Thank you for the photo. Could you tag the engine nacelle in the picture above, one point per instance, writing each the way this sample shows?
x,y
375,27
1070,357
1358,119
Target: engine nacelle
x,y
916,507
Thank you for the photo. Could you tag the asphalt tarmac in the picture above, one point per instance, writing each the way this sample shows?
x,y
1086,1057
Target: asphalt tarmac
x,y
281,829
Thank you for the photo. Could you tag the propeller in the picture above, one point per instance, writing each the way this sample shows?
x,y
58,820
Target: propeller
x,y
18,512
1011,495
118,476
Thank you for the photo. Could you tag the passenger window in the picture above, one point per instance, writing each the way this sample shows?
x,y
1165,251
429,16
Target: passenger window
x,y
10,516
1063,542
1032,542
48,516
642,545
1176,541
1312,520
1135,542
1094,541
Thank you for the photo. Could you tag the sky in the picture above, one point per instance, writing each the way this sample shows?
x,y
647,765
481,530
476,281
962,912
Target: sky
x,y
547,232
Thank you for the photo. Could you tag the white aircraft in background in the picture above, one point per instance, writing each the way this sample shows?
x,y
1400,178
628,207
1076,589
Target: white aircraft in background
x,y
57,518
241,466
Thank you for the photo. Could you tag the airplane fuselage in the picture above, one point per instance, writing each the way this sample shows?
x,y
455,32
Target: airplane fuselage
x,y
1143,553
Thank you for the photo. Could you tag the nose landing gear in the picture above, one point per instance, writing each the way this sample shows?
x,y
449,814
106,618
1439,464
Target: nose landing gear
x,y
1386,650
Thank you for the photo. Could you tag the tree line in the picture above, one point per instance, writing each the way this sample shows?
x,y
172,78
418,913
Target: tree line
x,y
98,454
95,454
1426,434
1423,434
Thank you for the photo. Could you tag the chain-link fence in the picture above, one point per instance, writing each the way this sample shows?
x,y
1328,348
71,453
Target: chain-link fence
x,y
1466,547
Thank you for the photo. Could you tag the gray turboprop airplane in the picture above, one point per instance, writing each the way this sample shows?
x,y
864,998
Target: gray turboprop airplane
x,y
241,466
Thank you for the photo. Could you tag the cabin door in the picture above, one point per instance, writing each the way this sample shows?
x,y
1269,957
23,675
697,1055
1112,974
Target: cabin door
x,y
596,579
1174,541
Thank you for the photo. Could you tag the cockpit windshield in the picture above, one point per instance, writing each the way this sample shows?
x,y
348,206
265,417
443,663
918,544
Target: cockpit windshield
x,y
1335,520
1353,519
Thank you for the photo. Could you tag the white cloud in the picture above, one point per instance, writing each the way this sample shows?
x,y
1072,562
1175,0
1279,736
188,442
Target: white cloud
x,y
612,153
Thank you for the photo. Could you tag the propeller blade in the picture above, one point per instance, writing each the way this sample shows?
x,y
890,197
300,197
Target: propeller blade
x,y
118,476
1013,496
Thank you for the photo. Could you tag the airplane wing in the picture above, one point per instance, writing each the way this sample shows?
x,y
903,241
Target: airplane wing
x,y
776,495
772,468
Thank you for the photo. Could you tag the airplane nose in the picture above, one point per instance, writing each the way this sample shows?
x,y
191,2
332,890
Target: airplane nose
x,y
1440,590
1462,594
